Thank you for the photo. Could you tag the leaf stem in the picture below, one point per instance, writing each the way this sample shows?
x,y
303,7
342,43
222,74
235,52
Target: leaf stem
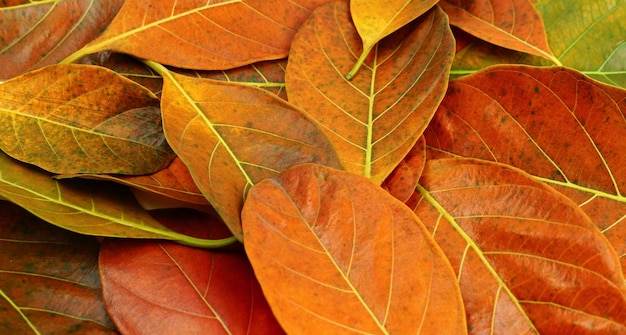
x,y
358,63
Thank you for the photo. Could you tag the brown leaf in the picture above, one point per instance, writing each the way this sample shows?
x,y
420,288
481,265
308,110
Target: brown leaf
x,y
200,34
39,33
554,123
165,288
375,119
513,24
529,261
403,179
49,281
231,136
82,119
335,254
375,19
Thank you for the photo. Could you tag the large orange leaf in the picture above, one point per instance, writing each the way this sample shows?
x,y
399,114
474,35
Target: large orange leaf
x,y
164,288
200,34
554,123
232,136
39,33
375,119
49,281
513,24
376,19
82,119
528,260
336,254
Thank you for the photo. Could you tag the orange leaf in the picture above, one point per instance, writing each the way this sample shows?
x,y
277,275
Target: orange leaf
x,y
200,34
39,33
403,179
527,258
49,281
375,119
166,288
82,119
335,254
232,136
513,24
374,20
554,123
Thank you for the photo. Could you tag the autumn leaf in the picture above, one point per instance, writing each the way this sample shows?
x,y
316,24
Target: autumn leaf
x,y
554,123
82,119
174,182
196,291
375,119
39,33
374,20
528,260
513,24
203,35
49,282
335,254
232,136
102,209
403,179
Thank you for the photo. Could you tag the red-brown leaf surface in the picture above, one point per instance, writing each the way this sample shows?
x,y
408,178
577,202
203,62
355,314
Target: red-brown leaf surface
x,y
403,179
39,33
336,254
513,24
232,136
49,281
202,34
554,123
165,288
374,119
528,260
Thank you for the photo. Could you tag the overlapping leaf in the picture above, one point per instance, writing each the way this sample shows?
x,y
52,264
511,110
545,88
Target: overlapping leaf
x,y
88,208
554,123
528,260
335,254
39,33
375,119
82,119
513,24
49,281
403,179
374,20
200,34
232,136
196,291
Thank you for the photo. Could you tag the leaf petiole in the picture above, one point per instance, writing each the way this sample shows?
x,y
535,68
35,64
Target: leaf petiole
x,y
359,63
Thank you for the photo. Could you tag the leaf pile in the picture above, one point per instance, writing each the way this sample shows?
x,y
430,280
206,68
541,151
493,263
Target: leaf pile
x,y
329,167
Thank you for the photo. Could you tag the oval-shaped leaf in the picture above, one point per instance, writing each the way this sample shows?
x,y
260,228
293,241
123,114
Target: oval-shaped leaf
x,y
207,35
529,261
233,136
164,288
39,33
375,119
513,24
374,20
86,207
336,254
49,281
554,123
82,119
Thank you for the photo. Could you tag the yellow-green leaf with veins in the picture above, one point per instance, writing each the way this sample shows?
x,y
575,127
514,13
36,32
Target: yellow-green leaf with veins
x,y
376,19
375,119
82,119
84,206
232,136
